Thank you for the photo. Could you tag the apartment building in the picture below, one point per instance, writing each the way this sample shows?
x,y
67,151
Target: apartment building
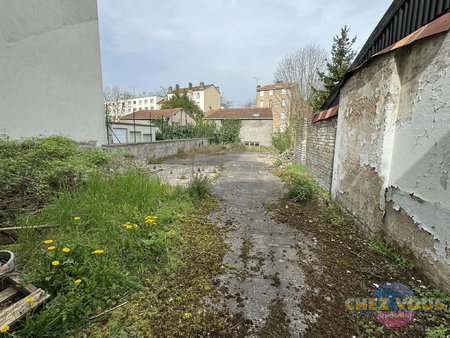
x,y
207,97
116,109
279,97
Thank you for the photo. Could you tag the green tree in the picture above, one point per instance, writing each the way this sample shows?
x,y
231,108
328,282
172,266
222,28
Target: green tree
x,y
342,55
179,100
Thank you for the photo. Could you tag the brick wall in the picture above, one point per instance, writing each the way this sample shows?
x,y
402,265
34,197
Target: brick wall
x,y
314,147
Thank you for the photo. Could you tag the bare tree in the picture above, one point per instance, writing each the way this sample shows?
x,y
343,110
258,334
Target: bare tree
x,y
302,67
250,103
224,103
115,102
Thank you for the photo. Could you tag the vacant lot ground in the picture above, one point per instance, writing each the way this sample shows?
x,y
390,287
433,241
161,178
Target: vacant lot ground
x,y
290,266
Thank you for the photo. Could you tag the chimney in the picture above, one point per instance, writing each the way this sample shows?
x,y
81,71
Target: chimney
x,y
202,85
279,82
177,87
170,89
190,86
258,86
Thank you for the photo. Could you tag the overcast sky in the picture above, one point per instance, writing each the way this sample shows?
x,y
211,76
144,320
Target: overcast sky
x,y
234,44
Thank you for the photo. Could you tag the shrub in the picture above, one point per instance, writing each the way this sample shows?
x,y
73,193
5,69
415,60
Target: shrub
x,y
33,170
300,188
229,131
199,186
281,141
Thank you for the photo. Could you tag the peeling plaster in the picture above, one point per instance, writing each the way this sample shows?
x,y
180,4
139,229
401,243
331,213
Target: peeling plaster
x,y
430,217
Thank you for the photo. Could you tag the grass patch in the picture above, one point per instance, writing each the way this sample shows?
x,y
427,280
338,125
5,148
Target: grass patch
x,y
281,141
381,247
131,218
174,303
33,170
199,186
299,186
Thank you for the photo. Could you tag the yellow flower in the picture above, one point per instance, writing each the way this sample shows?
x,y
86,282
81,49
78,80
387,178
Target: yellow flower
x,y
66,249
155,217
4,328
48,241
187,315
97,252
129,226
31,299
51,247
135,226
78,281
76,218
55,263
127,274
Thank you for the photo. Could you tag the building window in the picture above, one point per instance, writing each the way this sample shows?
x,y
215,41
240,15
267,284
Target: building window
x,y
140,101
283,103
283,91
270,103
145,101
134,102
261,103
261,93
134,109
129,103
198,95
283,115
282,128
151,100
129,110
146,108
270,92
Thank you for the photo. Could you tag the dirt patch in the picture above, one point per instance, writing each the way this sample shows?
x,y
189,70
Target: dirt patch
x,y
349,268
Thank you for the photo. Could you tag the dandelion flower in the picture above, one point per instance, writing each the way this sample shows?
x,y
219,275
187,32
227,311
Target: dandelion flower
x,y
55,263
97,252
135,226
31,299
129,226
78,281
76,218
127,274
66,249
51,247
155,216
48,241
4,328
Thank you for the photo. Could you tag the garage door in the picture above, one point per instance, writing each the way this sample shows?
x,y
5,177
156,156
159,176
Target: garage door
x,y
120,135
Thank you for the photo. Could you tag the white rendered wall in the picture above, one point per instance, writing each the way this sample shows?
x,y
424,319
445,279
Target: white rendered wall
x,y
51,80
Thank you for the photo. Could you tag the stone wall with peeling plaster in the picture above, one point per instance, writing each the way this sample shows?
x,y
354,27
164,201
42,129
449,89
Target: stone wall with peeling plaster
x,y
392,157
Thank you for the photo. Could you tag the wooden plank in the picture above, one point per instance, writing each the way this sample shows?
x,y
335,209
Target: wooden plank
x,y
8,293
9,315
16,281
8,229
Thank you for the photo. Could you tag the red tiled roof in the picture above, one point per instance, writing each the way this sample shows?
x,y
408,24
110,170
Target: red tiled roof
x,y
241,113
287,85
147,114
325,114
